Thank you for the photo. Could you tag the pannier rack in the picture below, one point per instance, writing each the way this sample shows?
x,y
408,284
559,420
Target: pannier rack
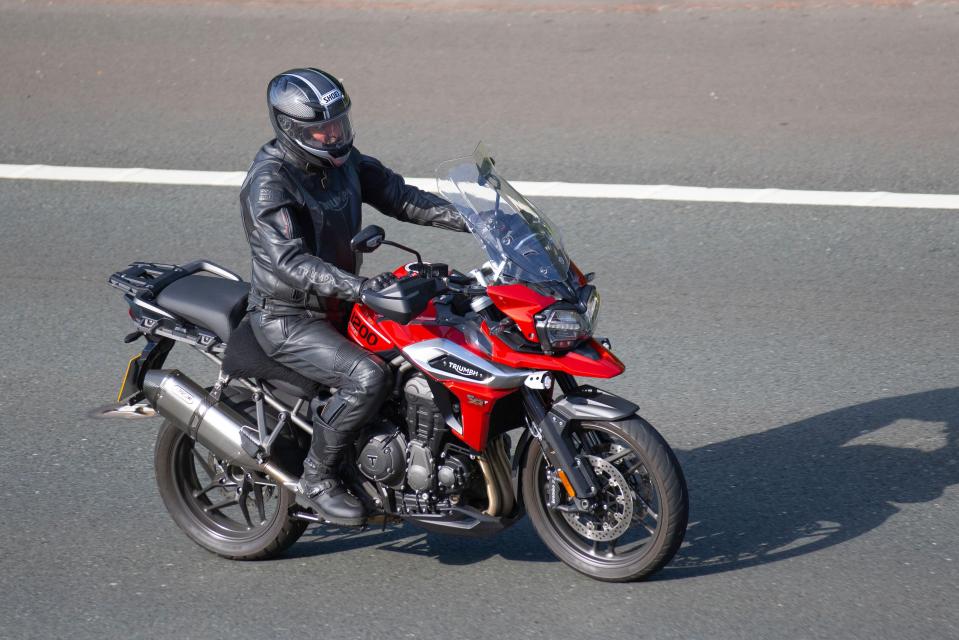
x,y
145,280
141,282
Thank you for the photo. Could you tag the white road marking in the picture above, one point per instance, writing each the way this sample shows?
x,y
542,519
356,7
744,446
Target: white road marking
x,y
136,176
532,189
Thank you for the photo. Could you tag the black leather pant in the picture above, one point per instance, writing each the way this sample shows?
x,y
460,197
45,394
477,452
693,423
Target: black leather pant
x,y
311,346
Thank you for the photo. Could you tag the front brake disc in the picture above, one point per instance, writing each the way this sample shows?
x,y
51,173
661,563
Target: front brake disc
x,y
614,508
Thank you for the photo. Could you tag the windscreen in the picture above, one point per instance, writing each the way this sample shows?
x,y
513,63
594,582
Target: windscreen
x,y
522,244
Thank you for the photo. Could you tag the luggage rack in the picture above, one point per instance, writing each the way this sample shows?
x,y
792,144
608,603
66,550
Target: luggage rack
x,y
145,280
177,329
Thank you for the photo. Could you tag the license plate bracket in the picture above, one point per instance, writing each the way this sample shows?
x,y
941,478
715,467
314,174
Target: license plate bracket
x,y
128,376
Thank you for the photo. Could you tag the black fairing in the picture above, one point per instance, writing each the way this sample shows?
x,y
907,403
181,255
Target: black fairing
x,y
464,521
403,300
589,403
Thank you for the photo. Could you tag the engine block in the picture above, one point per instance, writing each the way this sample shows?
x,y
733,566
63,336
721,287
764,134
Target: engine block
x,y
422,415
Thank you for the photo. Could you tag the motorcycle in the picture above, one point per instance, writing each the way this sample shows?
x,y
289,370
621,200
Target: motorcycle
x,y
486,420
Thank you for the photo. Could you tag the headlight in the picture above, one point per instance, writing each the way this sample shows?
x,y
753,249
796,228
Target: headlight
x,y
562,329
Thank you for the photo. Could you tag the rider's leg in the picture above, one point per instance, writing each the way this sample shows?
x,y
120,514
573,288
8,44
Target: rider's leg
x,y
312,347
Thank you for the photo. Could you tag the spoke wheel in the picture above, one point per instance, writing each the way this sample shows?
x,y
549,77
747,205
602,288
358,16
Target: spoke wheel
x,y
231,511
635,523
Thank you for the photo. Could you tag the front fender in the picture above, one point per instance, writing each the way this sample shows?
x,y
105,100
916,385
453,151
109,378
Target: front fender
x,y
590,403
583,403
518,463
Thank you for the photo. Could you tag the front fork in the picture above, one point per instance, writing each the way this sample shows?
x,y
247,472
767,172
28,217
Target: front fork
x,y
575,474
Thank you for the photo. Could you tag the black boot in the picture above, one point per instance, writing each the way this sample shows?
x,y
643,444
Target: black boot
x,y
319,487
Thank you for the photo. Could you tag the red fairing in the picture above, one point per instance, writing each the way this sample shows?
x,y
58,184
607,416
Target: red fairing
x,y
476,401
364,330
520,303
606,365
476,406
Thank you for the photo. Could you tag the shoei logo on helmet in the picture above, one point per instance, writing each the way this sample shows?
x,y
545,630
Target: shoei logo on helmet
x,y
330,97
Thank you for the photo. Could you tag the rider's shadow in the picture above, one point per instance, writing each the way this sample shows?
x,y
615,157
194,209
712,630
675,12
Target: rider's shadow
x,y
815,483
763,497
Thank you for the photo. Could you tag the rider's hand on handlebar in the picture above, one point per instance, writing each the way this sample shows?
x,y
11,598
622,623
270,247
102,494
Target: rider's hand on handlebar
x,y
378,282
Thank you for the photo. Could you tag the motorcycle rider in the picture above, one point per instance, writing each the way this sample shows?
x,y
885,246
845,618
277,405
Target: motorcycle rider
x,y
301,206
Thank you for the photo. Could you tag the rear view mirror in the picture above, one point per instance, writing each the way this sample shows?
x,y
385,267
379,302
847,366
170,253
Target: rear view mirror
x,y
368,239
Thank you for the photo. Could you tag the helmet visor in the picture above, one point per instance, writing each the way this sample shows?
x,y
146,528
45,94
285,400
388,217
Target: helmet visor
x,y
329,135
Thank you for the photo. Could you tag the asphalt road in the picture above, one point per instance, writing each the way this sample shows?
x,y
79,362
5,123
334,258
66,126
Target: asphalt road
x,y
801,360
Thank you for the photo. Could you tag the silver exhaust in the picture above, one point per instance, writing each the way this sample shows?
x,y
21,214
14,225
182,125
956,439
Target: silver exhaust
x,y
213,424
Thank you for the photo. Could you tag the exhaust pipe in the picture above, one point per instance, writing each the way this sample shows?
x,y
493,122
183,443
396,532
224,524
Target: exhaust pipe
x,y
213,424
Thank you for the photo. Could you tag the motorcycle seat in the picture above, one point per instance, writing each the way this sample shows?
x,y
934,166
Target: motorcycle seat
x,y
216,304
245,358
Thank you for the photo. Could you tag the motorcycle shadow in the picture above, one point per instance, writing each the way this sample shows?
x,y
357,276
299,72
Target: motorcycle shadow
x,y
815,483
755,499
518,543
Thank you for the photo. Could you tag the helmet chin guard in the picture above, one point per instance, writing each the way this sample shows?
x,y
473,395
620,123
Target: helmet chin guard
x,y
310,113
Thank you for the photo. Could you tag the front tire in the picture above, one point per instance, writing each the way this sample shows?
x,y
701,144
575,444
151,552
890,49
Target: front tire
x,y
196,489
655,489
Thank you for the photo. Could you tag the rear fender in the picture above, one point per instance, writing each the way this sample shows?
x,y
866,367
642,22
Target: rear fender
x,y
153,356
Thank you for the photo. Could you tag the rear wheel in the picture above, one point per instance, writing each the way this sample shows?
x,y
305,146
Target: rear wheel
x,y
235,513
635,524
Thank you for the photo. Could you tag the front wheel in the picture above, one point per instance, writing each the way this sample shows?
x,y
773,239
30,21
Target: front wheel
x,y
637,521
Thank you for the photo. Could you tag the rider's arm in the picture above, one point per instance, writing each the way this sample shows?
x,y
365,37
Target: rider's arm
x,y
270,204
387,191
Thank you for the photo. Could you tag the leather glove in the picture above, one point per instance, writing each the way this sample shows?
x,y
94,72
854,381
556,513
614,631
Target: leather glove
x,y
378,282
451,219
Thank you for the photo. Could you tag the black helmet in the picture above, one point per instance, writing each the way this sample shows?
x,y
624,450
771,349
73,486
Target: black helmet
x,y
310,112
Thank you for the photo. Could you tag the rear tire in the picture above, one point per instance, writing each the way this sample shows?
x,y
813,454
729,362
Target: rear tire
x,y
176,458
660,480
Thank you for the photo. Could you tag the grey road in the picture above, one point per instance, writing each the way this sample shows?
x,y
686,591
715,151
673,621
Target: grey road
x,y
801,360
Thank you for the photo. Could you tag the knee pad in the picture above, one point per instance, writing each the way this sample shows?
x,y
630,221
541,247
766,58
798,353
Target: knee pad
x,y
372,376
335,407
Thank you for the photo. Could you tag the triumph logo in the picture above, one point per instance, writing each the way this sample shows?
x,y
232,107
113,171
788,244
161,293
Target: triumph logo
x,y
462,369
451,365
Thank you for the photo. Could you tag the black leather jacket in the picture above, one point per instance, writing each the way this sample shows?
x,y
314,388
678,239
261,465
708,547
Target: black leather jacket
x,y
299,219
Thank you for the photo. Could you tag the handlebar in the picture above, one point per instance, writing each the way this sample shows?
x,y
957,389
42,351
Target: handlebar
x,y
409,295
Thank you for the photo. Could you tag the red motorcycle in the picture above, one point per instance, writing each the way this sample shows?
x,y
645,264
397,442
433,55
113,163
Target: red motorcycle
x,y
486,420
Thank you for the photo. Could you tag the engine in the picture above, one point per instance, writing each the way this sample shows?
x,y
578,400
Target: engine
x,y
419,466
428,470
455,473
383,457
